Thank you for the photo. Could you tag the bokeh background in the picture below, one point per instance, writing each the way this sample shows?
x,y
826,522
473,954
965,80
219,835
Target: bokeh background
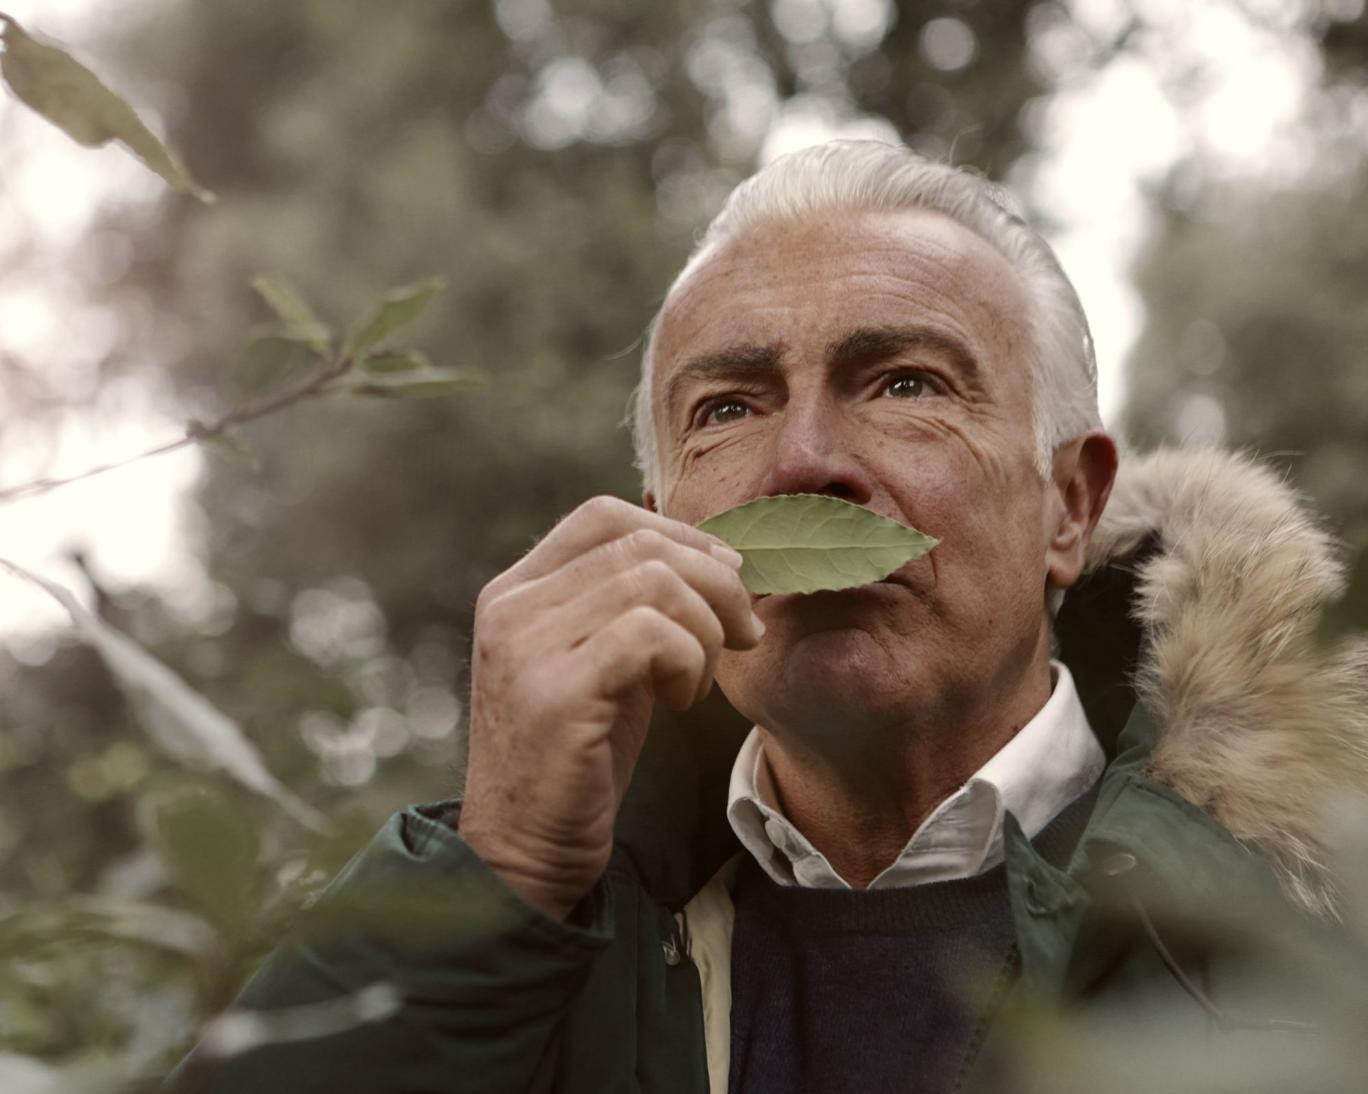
x,y
1201,166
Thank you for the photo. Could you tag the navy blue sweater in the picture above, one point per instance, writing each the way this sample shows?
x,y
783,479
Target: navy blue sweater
x,y
871,990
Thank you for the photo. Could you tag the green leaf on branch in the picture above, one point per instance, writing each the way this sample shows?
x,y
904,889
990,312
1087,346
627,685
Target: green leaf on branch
x,y
56,85
396,310
269,360
298,318
426,384
406,361
806,543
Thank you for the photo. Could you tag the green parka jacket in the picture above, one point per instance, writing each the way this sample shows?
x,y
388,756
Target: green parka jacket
x,y
1205,579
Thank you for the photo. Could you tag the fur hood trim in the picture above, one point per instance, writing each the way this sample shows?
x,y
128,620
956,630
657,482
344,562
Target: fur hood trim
x,y
1262,727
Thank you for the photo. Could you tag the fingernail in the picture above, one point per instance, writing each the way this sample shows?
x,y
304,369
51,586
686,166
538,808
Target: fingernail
x,y
723,553
759,626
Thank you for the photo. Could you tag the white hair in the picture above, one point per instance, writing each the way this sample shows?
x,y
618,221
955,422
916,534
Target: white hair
x,y
871,175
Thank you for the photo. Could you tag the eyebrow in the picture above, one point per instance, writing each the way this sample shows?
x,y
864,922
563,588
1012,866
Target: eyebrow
x,y
739,362
878,343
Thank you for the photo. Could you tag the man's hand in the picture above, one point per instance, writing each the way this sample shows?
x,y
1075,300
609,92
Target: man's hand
x,y
617,607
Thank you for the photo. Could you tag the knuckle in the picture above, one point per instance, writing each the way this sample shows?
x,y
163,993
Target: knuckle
x,y
488,597
484,605
654,578
603,508
644,624
646,543
492,615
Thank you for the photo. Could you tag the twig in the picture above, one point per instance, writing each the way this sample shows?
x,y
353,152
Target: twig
x,y
196,432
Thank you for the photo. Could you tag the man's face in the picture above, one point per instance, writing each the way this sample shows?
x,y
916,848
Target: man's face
x,y
880,358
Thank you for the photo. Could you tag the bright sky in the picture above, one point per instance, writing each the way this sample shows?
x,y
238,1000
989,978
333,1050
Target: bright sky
x,y
1104,136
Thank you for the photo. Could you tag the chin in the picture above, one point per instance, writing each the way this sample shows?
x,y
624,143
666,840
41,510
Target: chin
x,y
825,680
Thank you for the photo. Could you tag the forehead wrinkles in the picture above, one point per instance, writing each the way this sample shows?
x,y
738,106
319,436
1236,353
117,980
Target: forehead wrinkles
x,y
898,264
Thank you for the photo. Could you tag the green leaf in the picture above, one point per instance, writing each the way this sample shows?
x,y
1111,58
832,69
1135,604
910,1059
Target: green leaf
x,y
396,362
804,543
396,310
210,849
427,384
57,86
300,321
269,360
179,720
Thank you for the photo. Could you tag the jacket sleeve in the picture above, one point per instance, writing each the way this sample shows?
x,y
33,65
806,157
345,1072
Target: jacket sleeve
x,y
483,979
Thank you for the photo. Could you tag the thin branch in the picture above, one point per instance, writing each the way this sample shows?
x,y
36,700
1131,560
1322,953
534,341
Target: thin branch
x,y
196,432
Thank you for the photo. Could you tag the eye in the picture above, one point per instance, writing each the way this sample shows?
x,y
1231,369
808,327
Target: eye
x,y
908,385
721,411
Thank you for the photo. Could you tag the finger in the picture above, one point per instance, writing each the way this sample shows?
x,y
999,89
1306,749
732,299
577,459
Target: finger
x,y
717,583
645,647
598,521
651,584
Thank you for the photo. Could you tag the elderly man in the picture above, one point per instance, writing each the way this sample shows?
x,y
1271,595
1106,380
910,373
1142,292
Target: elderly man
x,y
930,816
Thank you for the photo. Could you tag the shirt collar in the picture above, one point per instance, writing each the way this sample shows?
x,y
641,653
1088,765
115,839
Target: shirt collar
x,y
1052,760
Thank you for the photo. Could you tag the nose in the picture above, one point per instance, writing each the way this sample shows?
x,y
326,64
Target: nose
x,y
813,452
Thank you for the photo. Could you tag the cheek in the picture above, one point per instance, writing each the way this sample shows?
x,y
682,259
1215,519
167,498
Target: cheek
x,y
714,475
973,455
983,507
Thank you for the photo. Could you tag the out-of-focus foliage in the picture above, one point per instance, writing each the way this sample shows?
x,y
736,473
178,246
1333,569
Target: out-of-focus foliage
x,y
1256,334
552,163
57,86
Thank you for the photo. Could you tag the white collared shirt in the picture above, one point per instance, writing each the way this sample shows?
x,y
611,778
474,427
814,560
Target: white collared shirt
x,y
1053,759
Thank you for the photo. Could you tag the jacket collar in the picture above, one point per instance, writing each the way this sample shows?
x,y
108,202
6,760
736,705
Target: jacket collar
x,y
1142,841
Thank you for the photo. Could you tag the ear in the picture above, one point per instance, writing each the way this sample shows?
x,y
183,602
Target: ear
x,y
1081,482
649,501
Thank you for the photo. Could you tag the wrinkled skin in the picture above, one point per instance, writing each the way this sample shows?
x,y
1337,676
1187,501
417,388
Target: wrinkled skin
x,y
615,609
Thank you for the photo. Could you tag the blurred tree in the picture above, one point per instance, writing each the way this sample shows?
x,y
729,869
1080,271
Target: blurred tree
x,y
1255,333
